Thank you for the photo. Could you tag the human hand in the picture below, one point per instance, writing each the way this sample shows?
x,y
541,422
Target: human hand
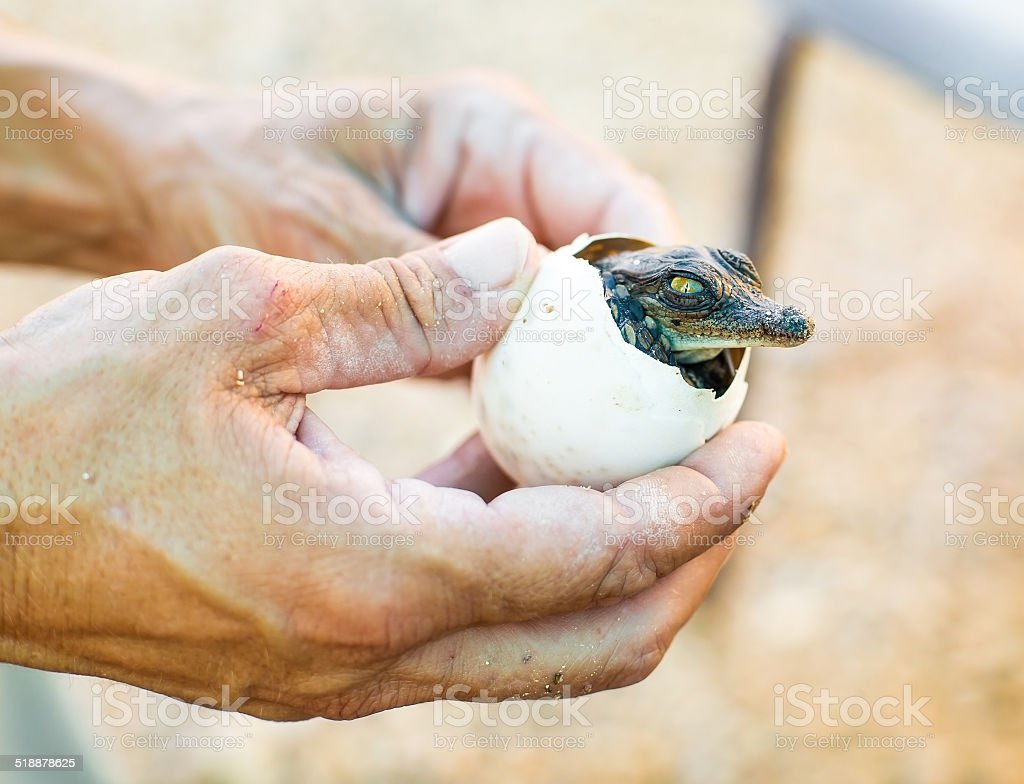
x,y
177,452
155,173
482,148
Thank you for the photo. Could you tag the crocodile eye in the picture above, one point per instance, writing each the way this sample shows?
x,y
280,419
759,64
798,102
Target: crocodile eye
x,y
686,285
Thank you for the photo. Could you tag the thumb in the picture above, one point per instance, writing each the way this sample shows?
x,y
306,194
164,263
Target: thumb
x,y
422,313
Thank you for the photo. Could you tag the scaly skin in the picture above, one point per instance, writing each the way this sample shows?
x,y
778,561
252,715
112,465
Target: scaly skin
x,y
684,305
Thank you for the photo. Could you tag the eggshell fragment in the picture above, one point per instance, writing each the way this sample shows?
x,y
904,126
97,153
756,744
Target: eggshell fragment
x,y
563,399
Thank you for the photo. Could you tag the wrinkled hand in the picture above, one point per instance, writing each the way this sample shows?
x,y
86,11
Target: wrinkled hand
x,y
182,455
217,172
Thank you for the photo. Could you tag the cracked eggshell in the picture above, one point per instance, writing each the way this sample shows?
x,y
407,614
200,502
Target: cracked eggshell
x,y
563,399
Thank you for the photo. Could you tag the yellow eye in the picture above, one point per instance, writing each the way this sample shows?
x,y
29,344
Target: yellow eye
x,y
686,285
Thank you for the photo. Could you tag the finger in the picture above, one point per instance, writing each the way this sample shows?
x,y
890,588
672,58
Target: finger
x,y
736,462
477,147
561,656
426,312
342,468
578,188
315,435
470,467
540,551
490,149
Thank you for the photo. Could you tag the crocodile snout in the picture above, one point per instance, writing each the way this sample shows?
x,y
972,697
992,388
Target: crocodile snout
x,y
787,326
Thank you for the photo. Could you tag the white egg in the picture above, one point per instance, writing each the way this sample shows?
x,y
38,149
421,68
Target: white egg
x,y
563,399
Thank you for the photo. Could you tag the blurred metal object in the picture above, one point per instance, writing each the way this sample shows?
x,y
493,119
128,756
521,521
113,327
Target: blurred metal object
x,y
937,41
781,85
931,39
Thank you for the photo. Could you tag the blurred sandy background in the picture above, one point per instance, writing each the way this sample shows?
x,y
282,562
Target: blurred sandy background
x,y
850,585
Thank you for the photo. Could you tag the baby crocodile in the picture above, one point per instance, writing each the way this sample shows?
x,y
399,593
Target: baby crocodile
x,y
686,305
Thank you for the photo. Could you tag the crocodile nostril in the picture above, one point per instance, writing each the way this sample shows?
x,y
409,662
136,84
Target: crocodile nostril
x,y
791,326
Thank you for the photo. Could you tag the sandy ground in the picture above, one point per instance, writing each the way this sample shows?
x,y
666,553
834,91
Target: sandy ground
x,y
850,584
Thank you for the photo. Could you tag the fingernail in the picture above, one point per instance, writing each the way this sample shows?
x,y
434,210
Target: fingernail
x,y
492,255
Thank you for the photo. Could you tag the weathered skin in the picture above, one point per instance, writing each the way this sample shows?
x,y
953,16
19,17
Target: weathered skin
x,y
684,305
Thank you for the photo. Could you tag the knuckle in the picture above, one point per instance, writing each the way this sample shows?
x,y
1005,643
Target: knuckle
x,y
280,296
227,260
627,661
139,277
412,282
631,569
477,89
639,666
408,295
237,282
